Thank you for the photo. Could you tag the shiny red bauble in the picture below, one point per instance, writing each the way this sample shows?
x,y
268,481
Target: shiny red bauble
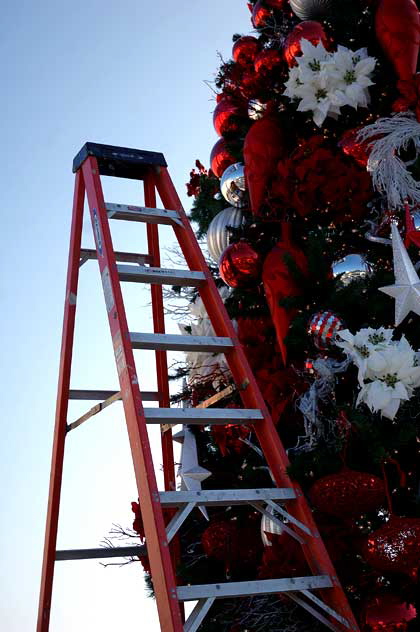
x,y
352,147
220,158
260,15
309,30
240,265
227,116
245,49
267,60
348,493
389,609
395,547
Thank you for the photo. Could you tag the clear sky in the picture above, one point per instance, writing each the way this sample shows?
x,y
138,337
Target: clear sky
x,y
128,73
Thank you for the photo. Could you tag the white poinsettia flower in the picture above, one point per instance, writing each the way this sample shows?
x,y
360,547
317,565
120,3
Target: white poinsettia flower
x,y
324,82
294,84
312,54
379,396
389,370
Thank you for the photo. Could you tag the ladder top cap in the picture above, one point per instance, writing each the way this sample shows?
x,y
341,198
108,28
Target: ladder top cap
x,y
120,162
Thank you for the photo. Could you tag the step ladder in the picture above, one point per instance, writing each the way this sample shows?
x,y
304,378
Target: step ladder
x,y
163,512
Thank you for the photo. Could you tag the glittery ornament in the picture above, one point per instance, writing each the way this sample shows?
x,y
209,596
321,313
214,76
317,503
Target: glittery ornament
x,y
406,290
256,109
220,158
240,265
323,328
227,116
233,186
351,268
220,540
312,31
218,234
310,9
348,493
266,61
260,15
389,609
245,49
395,547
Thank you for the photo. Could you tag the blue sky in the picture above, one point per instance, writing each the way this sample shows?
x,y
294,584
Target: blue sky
x,y
130,74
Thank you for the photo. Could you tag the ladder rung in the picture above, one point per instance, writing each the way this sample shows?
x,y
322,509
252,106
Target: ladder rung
x,y
173,342
90,554
216,497
147,396
127,257
245,589
142,214
162,276
203,416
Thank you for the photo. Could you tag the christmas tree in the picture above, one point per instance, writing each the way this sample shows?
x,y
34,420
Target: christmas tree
x,y
310,212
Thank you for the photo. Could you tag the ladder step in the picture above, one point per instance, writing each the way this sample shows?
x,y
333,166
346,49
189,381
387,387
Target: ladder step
x,y
91,554
147,396
173,342
142,214
127,257
217,497
245,589
203,416
162,276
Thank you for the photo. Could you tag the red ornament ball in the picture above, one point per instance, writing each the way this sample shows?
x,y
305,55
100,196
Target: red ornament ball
x,y
276,4
220,541
309,30
227,115
323,328
354,148
260,15
240,265
388,609
220,158
395,547
245,50
348,493
267,61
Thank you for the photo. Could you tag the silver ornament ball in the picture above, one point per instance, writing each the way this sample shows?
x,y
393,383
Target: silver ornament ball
x,y
218,234
323,328
232,185
351,268
311,9
416,219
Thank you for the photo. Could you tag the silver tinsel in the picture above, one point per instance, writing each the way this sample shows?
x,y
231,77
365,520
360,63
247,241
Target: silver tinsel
x,y
218,235
316,426
232,185
311,9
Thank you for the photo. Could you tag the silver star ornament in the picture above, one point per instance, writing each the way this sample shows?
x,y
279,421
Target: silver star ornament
x,y
406,290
